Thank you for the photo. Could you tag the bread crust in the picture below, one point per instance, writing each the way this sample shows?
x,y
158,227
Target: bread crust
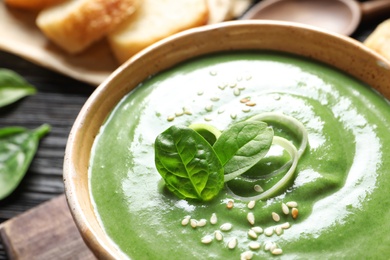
x,y
32,4
155,21
379,39
76,28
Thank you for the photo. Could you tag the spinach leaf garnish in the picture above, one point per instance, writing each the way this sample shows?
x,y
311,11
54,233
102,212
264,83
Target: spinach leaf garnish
x,y
17,149
13,87
243,145
188,164
193,169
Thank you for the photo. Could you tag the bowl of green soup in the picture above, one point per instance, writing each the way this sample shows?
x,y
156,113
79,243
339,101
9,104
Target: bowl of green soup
x,y
242,140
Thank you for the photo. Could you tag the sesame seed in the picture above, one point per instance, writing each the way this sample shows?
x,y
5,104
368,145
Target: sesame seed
x,y
248,77
251,204
230,204
202,222
277,251
226,227
269,231
200,92
251,218
241,88
187,111
250,104
258,188
247,255
213,219
224,84
214,99
193,223
186,220
292,204
236,92
233,116
232,243
233,85
268,246
294,213
207,239
277,97
244,100
170,118
252,234
273,246
254,245
239,78
278,230
246,109
207,118
275,217
257,229
213,73
222,87
209,108
285,225
218,235
221,110
179,113
285,209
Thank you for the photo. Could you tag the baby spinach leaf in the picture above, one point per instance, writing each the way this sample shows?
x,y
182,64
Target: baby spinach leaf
x,y
243,145
188,164
208,132
13,87
17,149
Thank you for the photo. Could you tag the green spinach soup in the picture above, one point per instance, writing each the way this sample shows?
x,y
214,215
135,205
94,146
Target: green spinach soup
x,y
336,204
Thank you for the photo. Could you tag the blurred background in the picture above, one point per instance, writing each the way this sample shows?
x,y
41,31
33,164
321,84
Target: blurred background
x,y
57,102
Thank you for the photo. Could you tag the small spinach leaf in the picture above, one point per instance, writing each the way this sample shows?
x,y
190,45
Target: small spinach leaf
x,y
208,132
243,145
17,149
13,87
188,164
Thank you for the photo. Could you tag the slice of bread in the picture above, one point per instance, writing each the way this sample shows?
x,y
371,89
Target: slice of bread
x,y
224,10
219,10
155,20
379,39
76,24
238,8
32,4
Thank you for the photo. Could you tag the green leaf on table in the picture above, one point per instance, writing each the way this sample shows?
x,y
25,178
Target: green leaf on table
x,y
188,164
13,87
17,149
242,146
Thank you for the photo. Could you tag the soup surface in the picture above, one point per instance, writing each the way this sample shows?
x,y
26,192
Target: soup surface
x,y
341,183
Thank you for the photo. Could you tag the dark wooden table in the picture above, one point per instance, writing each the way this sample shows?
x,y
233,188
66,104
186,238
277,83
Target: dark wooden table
x,y
57,103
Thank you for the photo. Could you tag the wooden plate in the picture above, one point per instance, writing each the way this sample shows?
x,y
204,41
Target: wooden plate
x,y
19,35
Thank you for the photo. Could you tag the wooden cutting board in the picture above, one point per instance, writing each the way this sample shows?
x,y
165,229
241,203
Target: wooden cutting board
x,y
44,232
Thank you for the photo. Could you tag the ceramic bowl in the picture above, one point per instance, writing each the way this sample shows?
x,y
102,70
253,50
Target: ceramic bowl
x,y
338,51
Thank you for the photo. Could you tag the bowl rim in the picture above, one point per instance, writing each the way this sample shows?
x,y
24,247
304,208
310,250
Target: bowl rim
x,y
77,207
